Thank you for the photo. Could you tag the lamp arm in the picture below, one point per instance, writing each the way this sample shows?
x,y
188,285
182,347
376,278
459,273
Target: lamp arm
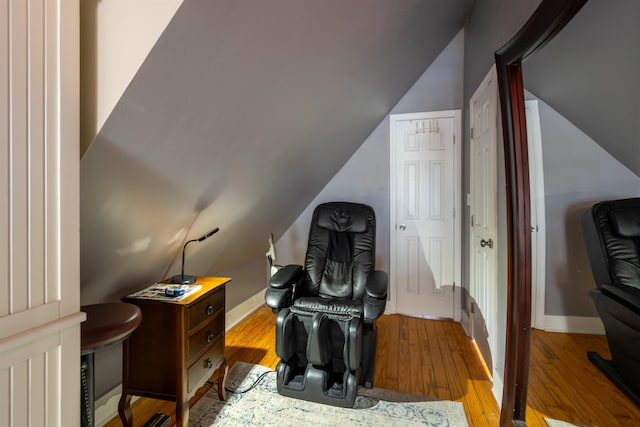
x,y
184,248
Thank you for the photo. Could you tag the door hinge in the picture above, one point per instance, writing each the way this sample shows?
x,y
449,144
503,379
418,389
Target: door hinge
x,y
471,133
472,220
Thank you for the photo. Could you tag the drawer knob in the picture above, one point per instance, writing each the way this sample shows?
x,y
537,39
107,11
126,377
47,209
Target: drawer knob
x,y
209,336
209,310
209,363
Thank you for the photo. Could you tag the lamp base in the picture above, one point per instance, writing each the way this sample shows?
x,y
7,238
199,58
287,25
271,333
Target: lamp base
x,y
184,280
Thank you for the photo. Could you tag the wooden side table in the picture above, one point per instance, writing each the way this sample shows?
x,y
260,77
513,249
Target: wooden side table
x,y
178,346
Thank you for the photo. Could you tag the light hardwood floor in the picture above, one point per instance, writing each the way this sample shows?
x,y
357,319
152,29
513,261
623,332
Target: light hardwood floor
x,y
434,358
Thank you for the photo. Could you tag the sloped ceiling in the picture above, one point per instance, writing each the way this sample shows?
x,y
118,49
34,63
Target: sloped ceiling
x,y
238,117
590,74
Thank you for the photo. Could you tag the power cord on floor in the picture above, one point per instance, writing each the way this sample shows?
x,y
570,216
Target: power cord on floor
x,y
255,383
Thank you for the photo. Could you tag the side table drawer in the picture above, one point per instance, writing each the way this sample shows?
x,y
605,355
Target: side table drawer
x,y
209,361
205,308
206,335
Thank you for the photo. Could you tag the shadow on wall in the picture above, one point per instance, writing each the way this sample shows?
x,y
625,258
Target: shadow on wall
x,y
478,332
146,223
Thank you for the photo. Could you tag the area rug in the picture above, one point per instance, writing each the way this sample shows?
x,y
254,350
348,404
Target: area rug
x,y
557,423
263,406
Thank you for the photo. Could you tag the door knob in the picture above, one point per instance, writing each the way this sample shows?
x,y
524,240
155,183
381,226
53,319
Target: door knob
x,y
403,227
485,243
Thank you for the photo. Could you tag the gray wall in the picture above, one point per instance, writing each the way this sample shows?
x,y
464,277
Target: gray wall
x,y
239,116
588,79
577,173
589,74
365,176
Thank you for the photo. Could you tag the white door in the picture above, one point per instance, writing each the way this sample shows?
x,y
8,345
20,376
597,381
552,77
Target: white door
x,y
536,184
483,201
424,230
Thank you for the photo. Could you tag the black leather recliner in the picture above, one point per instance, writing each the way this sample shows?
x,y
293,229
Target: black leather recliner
x,y
612,234
325,329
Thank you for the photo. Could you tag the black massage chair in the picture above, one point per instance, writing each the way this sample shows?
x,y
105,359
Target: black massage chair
x,y
325,328
612,235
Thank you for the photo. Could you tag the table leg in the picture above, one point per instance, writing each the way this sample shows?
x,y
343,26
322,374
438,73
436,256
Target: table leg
x,y
124,410
182,413
222,380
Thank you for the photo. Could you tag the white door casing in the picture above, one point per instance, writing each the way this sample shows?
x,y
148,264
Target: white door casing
x,y
425,230
483,205
536,184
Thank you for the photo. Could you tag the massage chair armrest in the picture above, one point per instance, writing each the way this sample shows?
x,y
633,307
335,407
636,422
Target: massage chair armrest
x,y
282,284
286,277
377,284
627,295
375,297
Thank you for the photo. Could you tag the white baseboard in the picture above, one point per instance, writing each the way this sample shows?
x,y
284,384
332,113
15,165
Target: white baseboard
x,y
574,324
107,405
245,308
497,387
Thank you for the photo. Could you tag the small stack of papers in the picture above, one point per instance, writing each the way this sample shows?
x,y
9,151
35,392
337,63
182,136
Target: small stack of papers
x,y
158,291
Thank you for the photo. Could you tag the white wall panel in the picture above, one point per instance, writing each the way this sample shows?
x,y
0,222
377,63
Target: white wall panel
x,y
35,135
27,388
5,171
39,224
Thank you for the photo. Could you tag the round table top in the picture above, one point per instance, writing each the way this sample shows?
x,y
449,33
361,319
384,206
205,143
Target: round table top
x,y
107,324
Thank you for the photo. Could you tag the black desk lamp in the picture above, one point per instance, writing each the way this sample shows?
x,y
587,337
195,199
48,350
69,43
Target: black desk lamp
x,y
182,279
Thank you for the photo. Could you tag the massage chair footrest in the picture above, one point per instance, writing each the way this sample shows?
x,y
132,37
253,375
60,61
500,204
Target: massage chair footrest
x,y
316,385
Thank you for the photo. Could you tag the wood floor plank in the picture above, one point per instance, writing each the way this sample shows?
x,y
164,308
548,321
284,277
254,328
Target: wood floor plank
x,y
391,380
441,385
476,385
382,356
415,358
427,369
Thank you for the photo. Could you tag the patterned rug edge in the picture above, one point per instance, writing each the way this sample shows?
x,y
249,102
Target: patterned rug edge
x,y
374,406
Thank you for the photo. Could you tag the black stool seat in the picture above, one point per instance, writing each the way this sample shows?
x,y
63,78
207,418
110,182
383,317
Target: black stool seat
x,y
106,324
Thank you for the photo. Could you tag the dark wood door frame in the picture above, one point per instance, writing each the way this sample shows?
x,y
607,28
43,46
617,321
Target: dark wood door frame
x,y
548,19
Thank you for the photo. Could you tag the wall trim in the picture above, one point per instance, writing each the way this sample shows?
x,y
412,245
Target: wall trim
x,y
245,308
39,331
107,404
573,324
497,387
